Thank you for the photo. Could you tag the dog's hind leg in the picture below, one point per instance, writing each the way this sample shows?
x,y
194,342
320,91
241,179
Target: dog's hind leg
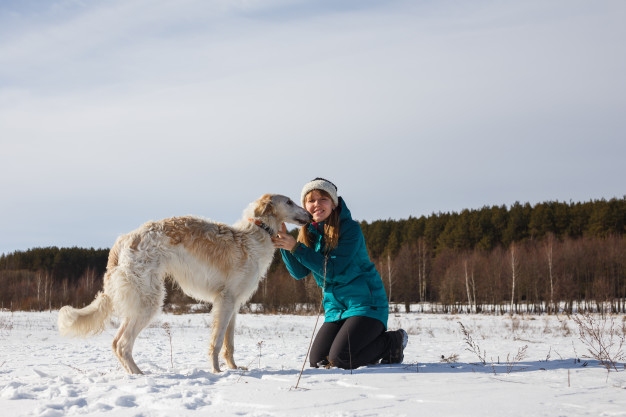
x,y
223,310
119,334
125,341
229,342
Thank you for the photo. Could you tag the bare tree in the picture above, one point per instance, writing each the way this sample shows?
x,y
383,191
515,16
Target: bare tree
x,y
65,286
513,276
548,248
38,289
471,295
404,267
421,268
390,275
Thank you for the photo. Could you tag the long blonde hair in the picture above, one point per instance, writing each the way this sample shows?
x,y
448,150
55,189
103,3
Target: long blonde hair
x,y
331,228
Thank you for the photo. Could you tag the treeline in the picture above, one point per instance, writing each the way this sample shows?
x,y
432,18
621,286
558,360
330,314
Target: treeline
x,y
47,278
541,258
498,226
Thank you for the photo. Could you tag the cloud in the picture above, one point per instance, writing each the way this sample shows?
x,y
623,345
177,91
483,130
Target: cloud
x,y
128,110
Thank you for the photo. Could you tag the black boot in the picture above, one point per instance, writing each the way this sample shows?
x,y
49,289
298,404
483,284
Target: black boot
x,y
399,340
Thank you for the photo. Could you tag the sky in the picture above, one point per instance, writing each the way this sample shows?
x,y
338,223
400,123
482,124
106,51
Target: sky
x,y
116,112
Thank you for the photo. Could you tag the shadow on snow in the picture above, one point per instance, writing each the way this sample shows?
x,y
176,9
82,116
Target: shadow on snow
x,y
489,368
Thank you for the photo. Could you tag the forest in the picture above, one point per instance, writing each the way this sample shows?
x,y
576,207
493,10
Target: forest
x,y
550,257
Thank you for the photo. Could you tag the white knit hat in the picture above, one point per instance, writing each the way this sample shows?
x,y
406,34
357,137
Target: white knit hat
x,y
320,184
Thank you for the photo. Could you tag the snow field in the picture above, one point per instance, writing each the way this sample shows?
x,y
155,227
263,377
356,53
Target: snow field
x,y
43,374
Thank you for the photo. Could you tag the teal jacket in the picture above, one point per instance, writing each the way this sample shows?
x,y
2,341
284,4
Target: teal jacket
x,y
352,286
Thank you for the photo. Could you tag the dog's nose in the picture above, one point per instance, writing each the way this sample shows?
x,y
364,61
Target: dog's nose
x,y
310,216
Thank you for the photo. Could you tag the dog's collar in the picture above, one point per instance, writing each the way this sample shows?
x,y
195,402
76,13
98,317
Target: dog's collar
x,y
262,226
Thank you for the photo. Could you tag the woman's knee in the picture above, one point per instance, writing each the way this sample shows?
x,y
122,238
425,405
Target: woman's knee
x,y
341,360
318,361
318,356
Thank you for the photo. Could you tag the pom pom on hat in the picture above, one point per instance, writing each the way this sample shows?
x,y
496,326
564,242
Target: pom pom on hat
x,y
320,184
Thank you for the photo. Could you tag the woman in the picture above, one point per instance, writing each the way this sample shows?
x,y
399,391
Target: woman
x,y
333,248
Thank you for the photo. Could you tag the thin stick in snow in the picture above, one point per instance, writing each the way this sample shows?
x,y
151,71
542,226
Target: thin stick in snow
x,y
319,311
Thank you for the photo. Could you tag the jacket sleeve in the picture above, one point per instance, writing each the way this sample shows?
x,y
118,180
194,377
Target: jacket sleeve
x,y
338,259
295,268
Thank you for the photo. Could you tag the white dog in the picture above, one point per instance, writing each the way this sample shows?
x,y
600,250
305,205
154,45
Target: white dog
x,y
210,261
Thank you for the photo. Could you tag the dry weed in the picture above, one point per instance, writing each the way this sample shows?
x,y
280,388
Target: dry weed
x,y
6,325
452,358
472,345
168,332
510,363
603,340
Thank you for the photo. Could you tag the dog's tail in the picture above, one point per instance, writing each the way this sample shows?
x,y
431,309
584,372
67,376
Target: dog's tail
x,y
90,320
86,321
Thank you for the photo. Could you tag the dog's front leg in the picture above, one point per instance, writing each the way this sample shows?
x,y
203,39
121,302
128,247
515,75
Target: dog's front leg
x,y
229,345
222,313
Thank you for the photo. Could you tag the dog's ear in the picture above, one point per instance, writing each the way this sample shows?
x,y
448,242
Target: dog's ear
x,y
264,206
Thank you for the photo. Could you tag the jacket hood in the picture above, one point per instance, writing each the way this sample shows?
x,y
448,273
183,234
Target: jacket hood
x,y
344,213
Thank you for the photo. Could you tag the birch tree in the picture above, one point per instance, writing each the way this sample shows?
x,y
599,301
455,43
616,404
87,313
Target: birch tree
x,y
471,295
421,269
513,276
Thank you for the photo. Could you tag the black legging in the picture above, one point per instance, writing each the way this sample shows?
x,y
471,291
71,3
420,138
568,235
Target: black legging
x,y
350,343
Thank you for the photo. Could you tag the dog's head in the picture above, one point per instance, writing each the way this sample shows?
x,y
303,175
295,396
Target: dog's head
x,y
282,209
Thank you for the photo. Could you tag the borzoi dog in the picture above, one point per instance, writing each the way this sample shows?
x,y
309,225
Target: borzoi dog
x,y
210,261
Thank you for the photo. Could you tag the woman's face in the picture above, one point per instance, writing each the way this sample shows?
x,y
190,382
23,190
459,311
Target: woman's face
x,y
319,205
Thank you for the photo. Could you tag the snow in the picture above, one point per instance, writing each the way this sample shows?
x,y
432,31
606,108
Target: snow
x,y
44,374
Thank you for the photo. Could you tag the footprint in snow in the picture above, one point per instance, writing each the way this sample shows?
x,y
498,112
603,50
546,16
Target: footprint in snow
x,y
126,401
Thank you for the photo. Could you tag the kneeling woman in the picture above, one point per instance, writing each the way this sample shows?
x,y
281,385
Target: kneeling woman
x,y
333,248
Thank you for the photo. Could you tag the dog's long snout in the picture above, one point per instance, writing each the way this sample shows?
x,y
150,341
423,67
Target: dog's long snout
x,y
304,218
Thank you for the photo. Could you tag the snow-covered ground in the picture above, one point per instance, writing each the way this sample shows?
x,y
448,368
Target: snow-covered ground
x,y
43,374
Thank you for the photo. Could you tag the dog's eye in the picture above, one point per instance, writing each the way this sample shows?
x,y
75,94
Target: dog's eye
x,y
289,203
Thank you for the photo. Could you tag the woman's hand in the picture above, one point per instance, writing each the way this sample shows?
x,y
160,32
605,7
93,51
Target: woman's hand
x,y
284,240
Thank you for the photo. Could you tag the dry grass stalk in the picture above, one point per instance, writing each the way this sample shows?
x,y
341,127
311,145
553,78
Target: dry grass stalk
x,y
510,363
602,339
260,345
472,345
168,332
6,325
453,358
